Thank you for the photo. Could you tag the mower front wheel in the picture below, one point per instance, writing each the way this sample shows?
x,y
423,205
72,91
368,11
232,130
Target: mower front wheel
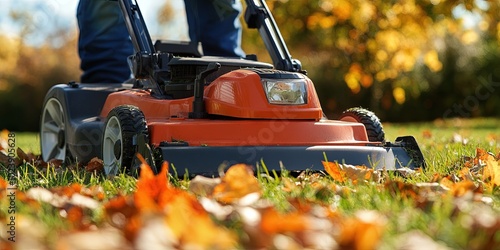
x,y
373,126
123,126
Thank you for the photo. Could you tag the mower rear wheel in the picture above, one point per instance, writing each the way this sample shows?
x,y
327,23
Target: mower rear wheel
x,y
123,125
52,131
373,126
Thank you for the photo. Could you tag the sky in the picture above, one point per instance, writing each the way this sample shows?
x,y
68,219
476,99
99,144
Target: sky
x,y
49,14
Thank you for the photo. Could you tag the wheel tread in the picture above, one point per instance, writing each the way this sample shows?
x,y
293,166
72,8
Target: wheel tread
x,y
373,126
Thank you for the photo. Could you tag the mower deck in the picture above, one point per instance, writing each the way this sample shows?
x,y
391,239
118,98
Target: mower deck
x,y
205,160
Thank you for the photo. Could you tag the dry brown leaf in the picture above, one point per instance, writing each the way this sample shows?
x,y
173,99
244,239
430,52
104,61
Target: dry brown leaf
x,y
55,163
22,155
6,161
95,165
26,157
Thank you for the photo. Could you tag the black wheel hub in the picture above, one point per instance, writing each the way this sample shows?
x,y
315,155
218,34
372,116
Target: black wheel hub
x,y
60,139
117,149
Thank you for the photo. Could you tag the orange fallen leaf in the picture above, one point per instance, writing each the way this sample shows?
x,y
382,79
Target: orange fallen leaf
x,y
334,170
401,189
363,231
152,189
427,134
461,188
274,222
446,182
122,214
482,156
184,211
238,182
344,172
465,174
3,184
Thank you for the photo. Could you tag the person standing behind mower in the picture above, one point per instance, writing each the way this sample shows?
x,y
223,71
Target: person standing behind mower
x,y
104,43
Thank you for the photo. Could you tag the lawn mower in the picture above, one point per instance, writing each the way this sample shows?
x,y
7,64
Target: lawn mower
x,y
199,112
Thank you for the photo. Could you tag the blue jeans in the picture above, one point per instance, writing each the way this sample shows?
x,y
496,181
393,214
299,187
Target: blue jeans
x,y
104,43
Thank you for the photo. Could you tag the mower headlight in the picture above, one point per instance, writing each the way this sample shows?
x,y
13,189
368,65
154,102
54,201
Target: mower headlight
x,y
285,91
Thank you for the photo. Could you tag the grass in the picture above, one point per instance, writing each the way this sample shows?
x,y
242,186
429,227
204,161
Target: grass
x,y
444,144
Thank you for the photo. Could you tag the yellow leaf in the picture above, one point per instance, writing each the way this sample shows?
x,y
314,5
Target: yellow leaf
x,y
431,59
334,170
236,183
183,212
491,173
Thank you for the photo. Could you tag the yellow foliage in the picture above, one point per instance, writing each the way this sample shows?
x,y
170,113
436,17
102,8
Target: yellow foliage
x,y
342,9
469,37
432,61
9,53
399,95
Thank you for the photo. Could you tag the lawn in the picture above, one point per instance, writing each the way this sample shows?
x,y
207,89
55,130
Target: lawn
x,y
452,204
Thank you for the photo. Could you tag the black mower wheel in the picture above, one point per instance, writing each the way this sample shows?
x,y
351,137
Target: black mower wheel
x,y
373,126
123,126
53,131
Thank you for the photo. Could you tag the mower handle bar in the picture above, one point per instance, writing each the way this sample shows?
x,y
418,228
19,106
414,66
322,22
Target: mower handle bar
x,y
257,15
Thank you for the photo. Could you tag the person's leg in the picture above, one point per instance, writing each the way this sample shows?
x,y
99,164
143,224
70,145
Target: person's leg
x,y
104,43
216,24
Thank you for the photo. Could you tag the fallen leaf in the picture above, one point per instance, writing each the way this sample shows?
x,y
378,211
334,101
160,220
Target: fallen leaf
x,y
274,222
491,173
106,238
95,165
184,211
203,186
461,188
334,170
152,190
363,231
427,134
238,182
4,138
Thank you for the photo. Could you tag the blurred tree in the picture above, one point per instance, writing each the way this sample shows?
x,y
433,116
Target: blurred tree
x,y
389,53
27,71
